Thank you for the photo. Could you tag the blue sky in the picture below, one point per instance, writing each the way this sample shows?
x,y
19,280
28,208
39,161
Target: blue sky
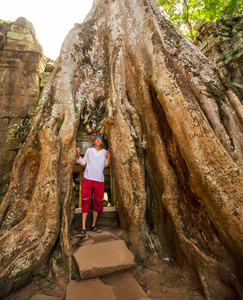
x,y
52,19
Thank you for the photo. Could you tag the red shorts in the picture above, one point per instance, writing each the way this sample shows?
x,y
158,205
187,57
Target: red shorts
x,y
89,186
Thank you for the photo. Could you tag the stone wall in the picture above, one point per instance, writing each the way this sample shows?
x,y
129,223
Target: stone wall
x,y
222,42
23,71
84,140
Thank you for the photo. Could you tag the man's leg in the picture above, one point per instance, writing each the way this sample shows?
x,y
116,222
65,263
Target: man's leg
x,y
98,189
86,200
95,216
84,219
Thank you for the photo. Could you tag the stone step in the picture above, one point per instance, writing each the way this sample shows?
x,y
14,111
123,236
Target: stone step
x,y
109,217
91,238
103,258
44,297
118,287
100,237
125,286
91,289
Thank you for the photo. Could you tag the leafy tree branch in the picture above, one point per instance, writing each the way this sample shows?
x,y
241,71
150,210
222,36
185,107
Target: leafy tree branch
x,y
184,14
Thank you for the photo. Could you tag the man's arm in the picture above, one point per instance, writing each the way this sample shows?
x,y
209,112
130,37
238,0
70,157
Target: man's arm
x,y
80,160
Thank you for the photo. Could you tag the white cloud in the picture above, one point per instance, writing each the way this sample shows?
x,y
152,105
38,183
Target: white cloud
x,y
51,19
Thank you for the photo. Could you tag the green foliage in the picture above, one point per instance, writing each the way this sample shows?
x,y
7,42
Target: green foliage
x,y
19,133
59,127
128,243
75,276
38,279
184,14
51,286
7,22
142,261
58,262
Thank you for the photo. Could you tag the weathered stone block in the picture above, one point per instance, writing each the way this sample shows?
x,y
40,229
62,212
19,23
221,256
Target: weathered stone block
x,y
18,36
103,258
103,236
239,25
126,287
44,297
20,66
199,25
224,47
89,290
50,65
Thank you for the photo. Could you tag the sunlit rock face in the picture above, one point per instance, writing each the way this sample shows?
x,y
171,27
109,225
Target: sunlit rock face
x,y
222,42
22,75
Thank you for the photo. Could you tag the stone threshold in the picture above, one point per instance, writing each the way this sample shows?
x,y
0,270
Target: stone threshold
x,y
105,209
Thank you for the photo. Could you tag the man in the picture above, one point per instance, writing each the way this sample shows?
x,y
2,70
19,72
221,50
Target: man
x,y
95,159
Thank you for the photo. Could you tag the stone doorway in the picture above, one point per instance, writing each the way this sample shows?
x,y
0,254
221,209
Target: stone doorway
x,y
109,195
84,141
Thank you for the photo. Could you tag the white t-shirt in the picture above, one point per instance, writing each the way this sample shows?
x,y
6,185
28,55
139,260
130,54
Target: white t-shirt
x,y
96,162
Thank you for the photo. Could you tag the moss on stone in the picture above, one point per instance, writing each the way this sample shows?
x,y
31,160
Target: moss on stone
x,y
219,97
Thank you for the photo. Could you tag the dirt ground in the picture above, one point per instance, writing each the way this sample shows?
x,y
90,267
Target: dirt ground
x,y
160,280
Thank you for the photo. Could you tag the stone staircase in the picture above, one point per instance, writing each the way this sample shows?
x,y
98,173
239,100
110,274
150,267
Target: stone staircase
x,y
104,264
98,256
109,217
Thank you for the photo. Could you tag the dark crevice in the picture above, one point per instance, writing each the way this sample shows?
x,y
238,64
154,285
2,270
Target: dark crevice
x,y
191,208
174,156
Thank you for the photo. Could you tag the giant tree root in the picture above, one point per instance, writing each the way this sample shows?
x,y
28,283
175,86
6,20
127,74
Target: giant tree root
x,y
174,130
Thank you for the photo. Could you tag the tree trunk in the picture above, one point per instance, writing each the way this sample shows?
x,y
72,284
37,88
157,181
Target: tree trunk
x,y
174,130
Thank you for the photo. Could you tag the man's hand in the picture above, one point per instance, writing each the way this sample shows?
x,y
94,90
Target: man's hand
x,y
78,152
108,155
